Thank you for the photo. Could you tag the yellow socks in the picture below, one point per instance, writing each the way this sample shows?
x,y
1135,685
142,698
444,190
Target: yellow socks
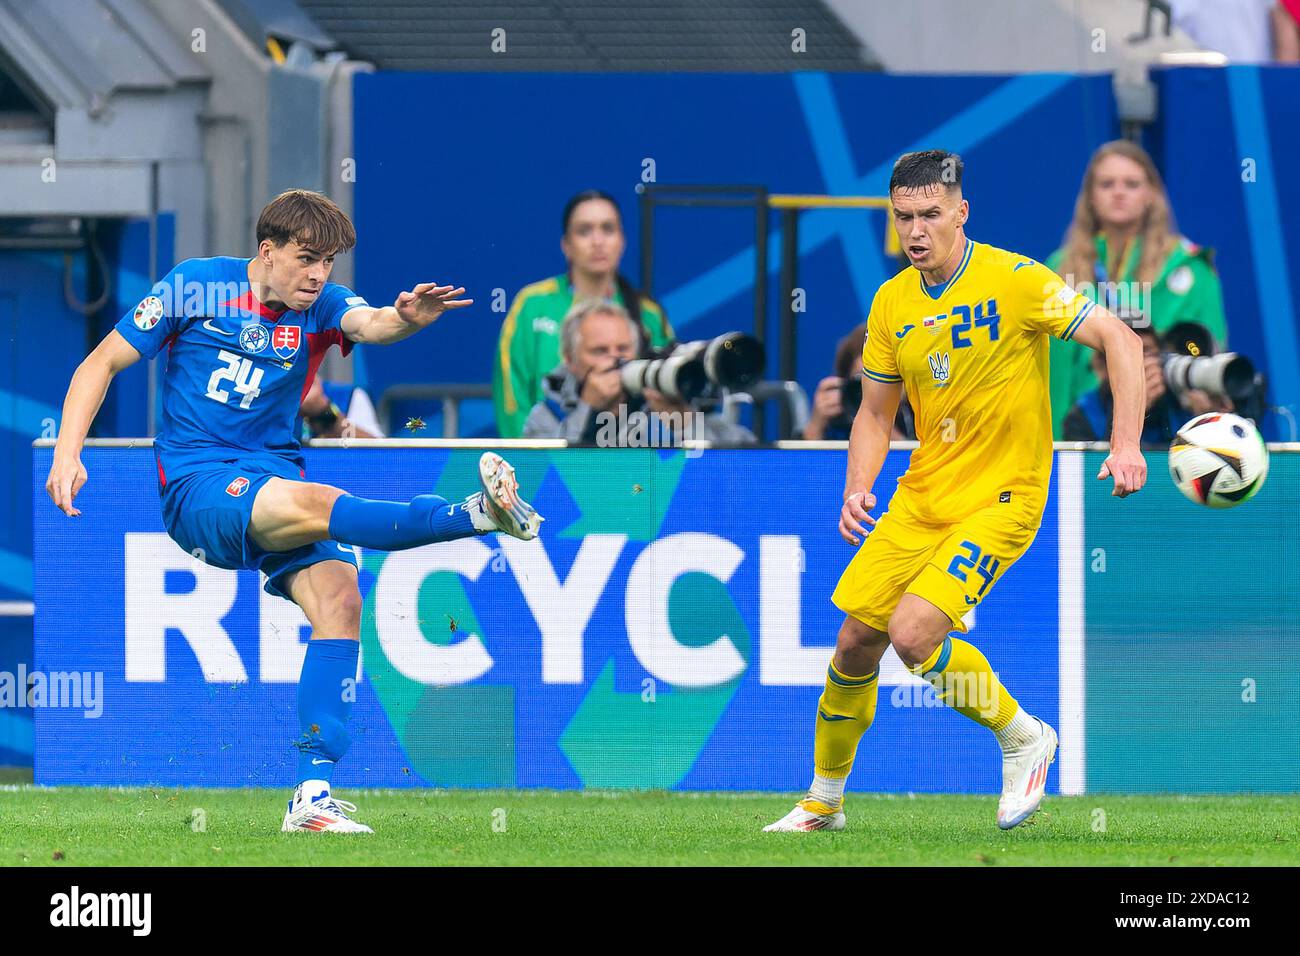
x,y
844,712
963,679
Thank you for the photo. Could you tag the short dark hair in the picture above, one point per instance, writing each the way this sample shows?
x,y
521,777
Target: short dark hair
x,y
308,218
1181,337
930,167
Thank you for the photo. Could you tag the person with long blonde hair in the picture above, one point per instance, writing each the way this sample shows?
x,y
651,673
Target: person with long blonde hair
x,y
1124,251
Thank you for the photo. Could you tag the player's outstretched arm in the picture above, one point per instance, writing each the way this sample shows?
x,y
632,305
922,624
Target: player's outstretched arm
x,y
412,312
1107,334
868,445
85,394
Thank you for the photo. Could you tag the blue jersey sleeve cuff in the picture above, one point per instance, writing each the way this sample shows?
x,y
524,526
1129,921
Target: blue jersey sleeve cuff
x,y
146,343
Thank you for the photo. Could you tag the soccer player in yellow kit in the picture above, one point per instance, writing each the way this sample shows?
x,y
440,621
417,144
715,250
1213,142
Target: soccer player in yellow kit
x,y
965,332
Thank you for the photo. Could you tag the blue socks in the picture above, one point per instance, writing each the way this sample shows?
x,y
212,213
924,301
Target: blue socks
x,y
326,691
395,526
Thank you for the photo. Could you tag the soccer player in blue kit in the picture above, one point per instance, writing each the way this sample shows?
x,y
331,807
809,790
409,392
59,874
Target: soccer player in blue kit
x,y
244,338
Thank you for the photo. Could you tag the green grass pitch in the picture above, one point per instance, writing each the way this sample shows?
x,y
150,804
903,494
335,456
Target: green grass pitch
x,y
72,826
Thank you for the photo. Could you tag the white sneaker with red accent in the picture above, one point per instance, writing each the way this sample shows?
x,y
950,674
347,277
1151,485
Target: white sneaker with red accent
x,y
1024,777
808,815
498,506
320,814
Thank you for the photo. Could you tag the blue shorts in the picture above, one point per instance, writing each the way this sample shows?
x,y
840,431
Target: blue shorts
x,y
208,514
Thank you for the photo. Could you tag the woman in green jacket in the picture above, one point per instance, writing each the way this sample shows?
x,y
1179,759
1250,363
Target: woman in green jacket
x,y
1123,250
529,349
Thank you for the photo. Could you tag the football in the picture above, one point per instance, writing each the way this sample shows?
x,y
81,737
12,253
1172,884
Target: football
x,y
1218,460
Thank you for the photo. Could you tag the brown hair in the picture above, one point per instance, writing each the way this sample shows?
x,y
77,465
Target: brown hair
x,y
1158,230
308,218
849,351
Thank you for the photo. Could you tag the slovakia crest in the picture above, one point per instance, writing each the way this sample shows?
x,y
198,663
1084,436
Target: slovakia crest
x,y
285,340
237,487
254,338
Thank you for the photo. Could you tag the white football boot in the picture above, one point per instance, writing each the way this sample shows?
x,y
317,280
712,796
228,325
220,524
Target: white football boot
x,y
498,506
322,814
1024,777
808,815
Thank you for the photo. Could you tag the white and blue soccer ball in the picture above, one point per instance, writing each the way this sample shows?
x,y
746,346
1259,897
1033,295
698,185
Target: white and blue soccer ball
x,y
1218,460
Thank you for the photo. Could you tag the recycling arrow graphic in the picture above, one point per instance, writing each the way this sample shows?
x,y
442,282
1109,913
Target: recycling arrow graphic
x,y
650,737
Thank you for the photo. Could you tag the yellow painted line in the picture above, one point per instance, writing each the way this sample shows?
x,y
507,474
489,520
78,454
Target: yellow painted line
x,y
796,201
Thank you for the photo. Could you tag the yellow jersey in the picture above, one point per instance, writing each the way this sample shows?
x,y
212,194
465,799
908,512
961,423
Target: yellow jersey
x,y
972,354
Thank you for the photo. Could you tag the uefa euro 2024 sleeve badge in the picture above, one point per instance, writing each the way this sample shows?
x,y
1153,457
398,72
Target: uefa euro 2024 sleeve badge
x,y
148,312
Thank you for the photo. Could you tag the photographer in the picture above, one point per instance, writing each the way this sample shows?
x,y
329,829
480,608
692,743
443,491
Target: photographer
x,y
837,397
593,243
1089,419
585,402
1191,338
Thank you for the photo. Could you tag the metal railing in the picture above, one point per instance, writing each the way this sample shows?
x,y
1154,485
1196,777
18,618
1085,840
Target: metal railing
x,y
764,204
449,394
1149,23
794,403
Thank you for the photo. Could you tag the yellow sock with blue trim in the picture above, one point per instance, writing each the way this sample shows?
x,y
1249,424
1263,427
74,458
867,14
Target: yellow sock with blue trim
x,y
844,712
963,679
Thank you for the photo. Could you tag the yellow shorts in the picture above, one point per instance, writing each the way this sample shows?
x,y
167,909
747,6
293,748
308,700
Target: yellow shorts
x,y
952,566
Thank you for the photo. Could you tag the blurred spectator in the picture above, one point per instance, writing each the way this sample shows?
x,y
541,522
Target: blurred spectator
x,y
1123,250
584,401
838,396
1286,31
592,242
1239,29
338,410
1090,417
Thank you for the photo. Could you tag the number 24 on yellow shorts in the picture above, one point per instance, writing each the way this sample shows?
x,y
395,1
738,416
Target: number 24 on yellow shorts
x,y
952,566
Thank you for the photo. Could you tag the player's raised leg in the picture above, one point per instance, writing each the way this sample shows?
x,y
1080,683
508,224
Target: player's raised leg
x,y
327,593
964,680
844,712
289,514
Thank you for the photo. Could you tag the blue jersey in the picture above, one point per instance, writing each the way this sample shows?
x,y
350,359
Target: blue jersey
x,y
236,371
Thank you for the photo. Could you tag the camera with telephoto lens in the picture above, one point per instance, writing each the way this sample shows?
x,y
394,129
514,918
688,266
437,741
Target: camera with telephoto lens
x,y
1227,374
690,371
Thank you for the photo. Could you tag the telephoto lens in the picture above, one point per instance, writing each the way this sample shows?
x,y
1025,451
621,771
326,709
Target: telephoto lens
x,y
1227,374
688,370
